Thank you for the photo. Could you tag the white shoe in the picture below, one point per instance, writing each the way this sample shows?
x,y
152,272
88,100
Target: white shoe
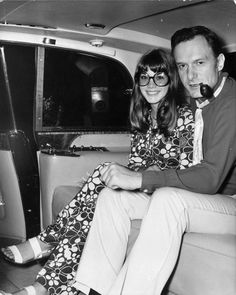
x,y
30,290
17,257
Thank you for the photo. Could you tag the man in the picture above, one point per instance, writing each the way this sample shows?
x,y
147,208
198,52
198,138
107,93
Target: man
x,y
197,199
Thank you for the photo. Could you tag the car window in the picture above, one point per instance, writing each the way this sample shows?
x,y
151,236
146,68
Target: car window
x,y
19,72
77,91
83,92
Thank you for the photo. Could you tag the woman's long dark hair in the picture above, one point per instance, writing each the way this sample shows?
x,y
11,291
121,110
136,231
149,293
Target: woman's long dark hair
x,y
158,60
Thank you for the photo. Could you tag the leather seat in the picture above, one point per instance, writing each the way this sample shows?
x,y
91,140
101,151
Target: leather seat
x,y
206,264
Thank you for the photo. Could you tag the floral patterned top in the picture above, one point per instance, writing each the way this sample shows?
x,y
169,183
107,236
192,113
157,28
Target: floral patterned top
x,y
174,152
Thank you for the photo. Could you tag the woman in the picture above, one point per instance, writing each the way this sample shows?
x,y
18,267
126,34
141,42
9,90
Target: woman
x,y
162,126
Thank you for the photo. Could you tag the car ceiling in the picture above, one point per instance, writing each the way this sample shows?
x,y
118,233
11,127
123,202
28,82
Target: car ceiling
x,y
158,17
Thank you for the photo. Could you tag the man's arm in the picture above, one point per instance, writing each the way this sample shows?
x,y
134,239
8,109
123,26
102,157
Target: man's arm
x,y
219,153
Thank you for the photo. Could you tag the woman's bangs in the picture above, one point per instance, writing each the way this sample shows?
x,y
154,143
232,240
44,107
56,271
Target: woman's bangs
x,y
158,67
155,67
142,68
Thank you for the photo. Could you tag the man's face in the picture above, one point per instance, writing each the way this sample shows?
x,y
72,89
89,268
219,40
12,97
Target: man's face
x,y
197,64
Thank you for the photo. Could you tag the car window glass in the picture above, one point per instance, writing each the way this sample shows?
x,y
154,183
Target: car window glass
x,y
20,68
84,92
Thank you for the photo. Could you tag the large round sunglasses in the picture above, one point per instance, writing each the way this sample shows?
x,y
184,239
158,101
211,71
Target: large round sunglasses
x,y
161,79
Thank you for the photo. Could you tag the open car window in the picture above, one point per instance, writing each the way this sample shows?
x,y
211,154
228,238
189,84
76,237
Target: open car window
x,y
83,92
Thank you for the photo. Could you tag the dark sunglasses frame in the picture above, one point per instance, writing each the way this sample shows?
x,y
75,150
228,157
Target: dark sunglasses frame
x,y
153,78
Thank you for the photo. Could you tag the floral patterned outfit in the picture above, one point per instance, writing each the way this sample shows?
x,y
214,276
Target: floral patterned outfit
x,y
68,234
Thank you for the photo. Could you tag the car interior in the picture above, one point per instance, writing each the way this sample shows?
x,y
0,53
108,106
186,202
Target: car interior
x,y
66,78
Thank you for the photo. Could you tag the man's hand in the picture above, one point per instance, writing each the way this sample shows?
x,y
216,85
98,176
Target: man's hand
x,y
117,176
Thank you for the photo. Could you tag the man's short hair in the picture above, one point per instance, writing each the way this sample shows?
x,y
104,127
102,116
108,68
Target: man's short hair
x,y
187,34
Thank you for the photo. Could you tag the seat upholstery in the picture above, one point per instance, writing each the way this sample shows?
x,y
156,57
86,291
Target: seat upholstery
x,y
62,196
206,264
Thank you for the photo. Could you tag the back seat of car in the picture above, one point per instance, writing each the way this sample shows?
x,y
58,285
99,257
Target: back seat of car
x,y
206,264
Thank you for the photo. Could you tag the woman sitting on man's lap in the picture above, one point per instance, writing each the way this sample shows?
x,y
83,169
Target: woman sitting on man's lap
x,y
162,134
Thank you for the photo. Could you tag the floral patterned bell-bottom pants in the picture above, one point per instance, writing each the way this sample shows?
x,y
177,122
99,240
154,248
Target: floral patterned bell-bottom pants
x,y
68,234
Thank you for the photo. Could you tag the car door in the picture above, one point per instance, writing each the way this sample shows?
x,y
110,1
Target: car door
x,y
19,188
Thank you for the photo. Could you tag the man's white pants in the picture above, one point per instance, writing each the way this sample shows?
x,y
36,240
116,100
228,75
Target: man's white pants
x,y
166,215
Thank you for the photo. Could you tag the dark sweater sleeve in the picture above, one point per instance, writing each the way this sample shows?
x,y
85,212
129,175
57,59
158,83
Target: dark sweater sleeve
x,y
219,148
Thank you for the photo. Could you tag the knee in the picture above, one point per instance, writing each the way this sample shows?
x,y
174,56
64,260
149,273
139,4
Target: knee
x,y
164,193
167,196
104,194
106,198
110,206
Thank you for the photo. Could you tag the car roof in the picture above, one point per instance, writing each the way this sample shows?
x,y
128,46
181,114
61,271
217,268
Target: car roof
x,y
124,20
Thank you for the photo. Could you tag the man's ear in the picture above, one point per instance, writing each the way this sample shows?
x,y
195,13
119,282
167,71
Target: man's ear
x,y
220,61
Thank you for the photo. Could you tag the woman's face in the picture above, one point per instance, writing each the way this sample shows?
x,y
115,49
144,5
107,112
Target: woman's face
x,y
153,93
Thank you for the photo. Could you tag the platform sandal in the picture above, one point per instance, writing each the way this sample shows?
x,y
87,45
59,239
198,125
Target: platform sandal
x,y
17,257
30,290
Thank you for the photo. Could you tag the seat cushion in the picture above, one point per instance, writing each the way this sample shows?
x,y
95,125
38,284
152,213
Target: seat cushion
x,y
206,265
61,197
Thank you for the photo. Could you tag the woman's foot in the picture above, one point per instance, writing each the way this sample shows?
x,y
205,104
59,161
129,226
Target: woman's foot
x,y
27,251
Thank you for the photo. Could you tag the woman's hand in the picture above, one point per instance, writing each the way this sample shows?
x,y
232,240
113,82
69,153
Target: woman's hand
x,y
117,176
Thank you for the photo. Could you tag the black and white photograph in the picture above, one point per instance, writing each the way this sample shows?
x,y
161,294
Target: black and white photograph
x,y
117,147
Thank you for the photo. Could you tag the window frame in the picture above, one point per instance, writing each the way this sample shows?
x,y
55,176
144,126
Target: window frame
x,y
39,95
